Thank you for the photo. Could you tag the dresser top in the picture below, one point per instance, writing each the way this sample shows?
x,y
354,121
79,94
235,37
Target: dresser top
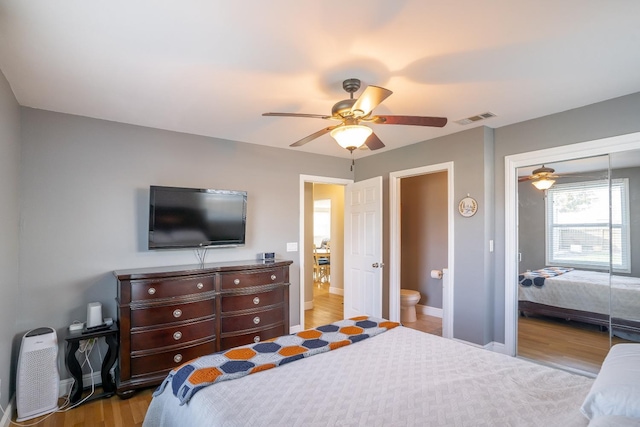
x,y
197,269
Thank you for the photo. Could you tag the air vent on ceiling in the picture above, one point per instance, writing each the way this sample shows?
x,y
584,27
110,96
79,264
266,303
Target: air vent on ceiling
x,y
475,118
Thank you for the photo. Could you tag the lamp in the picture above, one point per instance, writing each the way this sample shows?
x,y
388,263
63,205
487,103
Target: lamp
x,y
351,136
543,183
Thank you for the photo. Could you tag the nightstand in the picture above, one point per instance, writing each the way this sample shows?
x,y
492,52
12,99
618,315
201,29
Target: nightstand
x,y
73,344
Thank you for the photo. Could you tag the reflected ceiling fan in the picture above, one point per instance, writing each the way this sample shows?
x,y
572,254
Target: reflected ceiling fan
x,y
351,133
543,177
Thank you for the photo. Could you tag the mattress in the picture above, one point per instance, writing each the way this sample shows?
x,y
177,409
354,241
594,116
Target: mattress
x,y
401,377
588,291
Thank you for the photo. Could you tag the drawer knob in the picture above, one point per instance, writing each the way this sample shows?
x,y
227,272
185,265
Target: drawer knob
x,y
256,300
274,277
177,358
236,282
256,320
177,335
256,338
177,312
199,286
151,291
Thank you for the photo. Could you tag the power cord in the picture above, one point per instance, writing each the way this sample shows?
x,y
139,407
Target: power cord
x,y
86,346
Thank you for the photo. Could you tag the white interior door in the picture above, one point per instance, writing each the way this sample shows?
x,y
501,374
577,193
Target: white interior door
x,y
363,248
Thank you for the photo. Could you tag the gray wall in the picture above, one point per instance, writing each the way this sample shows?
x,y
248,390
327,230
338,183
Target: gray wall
x,y
84,193
423,239
9,217
473,293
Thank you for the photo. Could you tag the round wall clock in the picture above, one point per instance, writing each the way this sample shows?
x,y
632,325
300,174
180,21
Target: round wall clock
x,y
468,207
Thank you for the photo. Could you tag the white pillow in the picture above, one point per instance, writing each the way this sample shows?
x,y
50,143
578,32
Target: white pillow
x,y
616,390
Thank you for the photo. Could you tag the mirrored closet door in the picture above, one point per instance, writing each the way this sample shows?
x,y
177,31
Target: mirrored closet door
x,y
576,260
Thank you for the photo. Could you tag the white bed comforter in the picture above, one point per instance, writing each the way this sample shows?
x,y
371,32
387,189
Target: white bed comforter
x,y
588,291
399,378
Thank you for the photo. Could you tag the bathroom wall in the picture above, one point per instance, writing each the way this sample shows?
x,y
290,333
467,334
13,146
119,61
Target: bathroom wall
x,y
424,235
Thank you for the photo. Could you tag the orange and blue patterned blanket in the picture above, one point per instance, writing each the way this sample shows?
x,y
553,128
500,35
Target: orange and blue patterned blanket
x,y
238,362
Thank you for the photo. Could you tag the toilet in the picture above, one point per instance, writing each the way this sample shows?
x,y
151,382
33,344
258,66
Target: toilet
x,y
408,301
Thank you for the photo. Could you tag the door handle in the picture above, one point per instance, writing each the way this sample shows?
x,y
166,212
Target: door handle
x,y
377,265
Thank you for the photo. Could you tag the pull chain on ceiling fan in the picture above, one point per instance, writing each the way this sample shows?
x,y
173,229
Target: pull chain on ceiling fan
x,y
350,133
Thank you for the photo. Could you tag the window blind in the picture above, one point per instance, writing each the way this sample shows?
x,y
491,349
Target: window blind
x,y
587,225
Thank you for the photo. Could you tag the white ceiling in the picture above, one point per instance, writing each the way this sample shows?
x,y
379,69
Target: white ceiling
x,y
210,67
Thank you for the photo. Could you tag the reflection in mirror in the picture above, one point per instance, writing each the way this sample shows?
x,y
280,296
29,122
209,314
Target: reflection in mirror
x,y
625,283
566,248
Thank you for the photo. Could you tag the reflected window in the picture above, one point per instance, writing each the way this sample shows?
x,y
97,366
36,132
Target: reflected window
x,y
578,229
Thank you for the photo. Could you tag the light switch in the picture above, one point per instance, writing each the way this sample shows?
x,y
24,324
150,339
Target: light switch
x,y
292,247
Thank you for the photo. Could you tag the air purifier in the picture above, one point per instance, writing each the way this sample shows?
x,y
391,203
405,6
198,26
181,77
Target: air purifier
x,y
37,379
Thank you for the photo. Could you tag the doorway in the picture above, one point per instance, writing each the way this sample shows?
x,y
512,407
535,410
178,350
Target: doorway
x,y
396,245
314,188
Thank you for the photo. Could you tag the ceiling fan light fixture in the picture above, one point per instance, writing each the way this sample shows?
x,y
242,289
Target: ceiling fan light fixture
x,y
351,136
543,183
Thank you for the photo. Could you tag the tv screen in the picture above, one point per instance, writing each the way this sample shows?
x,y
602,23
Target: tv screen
x,y
196,218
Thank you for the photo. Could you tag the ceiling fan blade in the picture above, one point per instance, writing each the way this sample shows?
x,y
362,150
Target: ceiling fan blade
x,y
373,142
313,136
523,178
312,116
410,120
370,99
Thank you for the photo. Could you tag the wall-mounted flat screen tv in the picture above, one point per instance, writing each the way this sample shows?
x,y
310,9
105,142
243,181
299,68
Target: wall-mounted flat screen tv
x,y
196,218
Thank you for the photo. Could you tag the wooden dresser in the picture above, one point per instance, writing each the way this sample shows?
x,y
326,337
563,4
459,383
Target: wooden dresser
x,y
170,315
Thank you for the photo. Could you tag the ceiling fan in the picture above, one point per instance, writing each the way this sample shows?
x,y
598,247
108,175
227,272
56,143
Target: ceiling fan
x,y
539,173
350,133
543,177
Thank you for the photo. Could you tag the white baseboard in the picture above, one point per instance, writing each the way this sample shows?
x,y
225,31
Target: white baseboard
x,y
497,347
65,385
8,413
295,329
429,311
337,291
308,305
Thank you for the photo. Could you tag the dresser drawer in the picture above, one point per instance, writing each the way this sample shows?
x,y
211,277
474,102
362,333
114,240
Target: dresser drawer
x,y
252,321
167,288
242,280
236,340
258,300
171,313
177,335
141,365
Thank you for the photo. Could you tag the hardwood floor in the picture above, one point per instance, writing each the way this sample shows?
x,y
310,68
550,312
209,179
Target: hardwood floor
x,y
551,341
570,344
327,307
111,412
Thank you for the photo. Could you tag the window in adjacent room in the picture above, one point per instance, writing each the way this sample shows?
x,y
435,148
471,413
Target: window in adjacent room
x,y
578,229
321,221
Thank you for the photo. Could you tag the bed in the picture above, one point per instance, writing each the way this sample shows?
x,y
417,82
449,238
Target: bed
x,y
398,377
582,296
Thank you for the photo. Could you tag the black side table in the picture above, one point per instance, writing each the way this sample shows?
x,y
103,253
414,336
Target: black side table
x,y
73,344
